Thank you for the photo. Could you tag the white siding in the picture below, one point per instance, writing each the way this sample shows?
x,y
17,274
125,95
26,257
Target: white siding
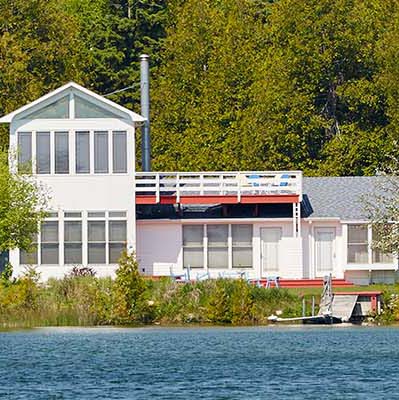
x,y
159,247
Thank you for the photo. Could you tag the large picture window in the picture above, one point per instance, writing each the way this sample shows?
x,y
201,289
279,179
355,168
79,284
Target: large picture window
x,y
226,246
98,152
193,246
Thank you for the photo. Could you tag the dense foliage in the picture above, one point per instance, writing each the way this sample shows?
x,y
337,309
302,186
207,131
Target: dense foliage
x,y
23,203
236,84
83,299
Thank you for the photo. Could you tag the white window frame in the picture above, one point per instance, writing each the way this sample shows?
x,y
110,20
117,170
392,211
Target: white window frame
x,y
229,244
72,151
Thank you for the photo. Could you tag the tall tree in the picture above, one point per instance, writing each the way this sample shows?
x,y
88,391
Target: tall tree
x,y
39,50
202,91
317,104
23,202
115,33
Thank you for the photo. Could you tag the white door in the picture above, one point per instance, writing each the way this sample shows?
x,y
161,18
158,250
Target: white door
x,y
324,251
270,238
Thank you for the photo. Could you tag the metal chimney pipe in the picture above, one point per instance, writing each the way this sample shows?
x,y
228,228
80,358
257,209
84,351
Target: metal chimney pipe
x,y
145,112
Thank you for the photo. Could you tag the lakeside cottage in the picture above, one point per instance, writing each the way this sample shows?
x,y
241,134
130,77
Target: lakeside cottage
x,y
261,223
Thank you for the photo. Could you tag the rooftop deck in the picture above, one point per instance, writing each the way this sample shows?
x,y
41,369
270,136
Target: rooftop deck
x,y
247,187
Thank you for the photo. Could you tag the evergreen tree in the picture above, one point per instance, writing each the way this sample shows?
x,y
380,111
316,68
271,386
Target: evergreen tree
x,y
317,104
39,51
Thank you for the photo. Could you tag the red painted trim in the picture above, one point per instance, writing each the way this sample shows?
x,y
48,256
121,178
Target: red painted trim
x,y
226,199
360,293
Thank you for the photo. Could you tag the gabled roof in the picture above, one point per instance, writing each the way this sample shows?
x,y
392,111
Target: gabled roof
x,y
72,85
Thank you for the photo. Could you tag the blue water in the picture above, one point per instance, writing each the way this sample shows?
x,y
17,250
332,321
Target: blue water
x,y
200,363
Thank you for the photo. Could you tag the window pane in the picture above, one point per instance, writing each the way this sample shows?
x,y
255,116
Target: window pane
x,y
72,214
242,257
242,235
117,214
82,152
86,109
25,152
96,231
115,251
193,257
218,257
52,214
193,235
43,152
96,214
358,253
72,231
101,152
357,234
96,253
73,253
379,257
28,257
119,150
217,235
49,231
61,153
117,231
58,109
49,253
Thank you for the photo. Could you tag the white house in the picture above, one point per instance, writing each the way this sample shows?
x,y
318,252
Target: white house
x,y
263,223
81,146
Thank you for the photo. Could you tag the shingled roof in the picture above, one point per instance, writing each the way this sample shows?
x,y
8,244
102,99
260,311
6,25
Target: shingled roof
x,y
337,197
323,197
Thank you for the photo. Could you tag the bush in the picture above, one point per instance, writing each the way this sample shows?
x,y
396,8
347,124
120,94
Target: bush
x,y
128,290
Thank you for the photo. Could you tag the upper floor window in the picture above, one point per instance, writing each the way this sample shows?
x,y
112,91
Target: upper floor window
x,y
61,143
25,152
82,152
98,152
119,152
57,109
82,108
43,152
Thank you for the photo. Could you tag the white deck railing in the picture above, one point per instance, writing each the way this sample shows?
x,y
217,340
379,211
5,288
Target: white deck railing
x,y
218,183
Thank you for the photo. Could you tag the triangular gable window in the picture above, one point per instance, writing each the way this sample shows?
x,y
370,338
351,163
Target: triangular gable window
x,y
86,109
58,109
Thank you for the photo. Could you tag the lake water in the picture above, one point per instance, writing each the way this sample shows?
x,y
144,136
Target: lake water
x,y
200,363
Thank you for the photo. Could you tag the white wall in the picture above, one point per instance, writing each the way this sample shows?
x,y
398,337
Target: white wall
x,y
159,247
84,192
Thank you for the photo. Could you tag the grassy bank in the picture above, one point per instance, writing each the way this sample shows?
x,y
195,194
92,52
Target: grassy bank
x,y
81,299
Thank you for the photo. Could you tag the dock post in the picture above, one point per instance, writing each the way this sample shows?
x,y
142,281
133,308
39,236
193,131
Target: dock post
x,y
303,307
313,306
